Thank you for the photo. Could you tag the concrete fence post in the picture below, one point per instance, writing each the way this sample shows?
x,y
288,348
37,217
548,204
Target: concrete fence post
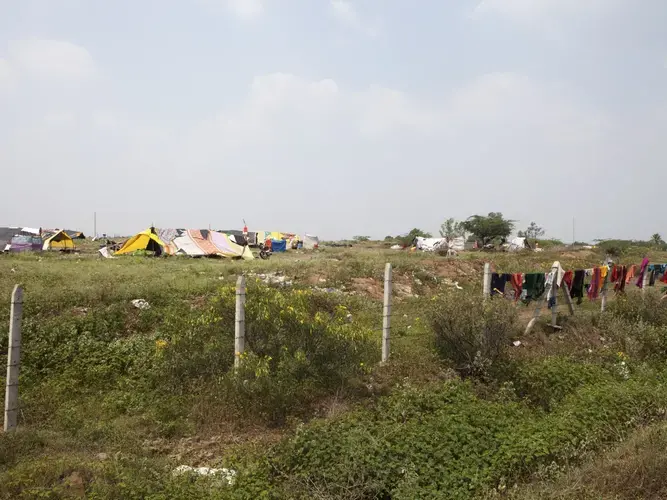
x,y
239,330
386,314
486,282
13,360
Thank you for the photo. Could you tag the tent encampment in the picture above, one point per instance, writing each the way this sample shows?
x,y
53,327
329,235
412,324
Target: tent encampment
x,y
58,240
147,240
20,239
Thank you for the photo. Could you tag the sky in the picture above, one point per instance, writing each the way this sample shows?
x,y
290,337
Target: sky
x,y
334,117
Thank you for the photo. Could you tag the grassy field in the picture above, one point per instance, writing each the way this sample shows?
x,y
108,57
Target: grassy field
x,y
114,398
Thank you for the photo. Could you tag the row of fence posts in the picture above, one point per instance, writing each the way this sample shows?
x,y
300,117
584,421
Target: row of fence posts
x,y
14,349
486,293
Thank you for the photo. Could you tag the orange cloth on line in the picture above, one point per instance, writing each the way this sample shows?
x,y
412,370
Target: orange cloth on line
x,y
603,276
631,274
268,244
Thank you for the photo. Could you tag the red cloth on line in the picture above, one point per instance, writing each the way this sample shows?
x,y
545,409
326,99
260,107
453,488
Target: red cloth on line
x,y
567,278
517,283
615,274
620,284
594,287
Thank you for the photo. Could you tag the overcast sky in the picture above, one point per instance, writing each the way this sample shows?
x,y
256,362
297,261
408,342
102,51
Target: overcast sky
x,y
334,117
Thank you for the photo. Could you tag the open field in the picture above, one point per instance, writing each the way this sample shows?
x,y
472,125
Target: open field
x,y
113,398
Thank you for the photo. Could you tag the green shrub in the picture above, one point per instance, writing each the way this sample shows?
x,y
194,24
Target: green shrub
x,y
634,307
547,381
471,333
447,443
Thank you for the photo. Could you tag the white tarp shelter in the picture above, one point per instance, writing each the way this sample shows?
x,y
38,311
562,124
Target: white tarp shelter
x,y
517,244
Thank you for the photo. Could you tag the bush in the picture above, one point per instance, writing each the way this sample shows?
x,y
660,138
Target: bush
x,y
648,308
299,346
448,443
545,382
472,333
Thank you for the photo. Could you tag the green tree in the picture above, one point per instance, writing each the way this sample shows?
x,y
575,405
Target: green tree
x,y
361,239
451,229
488,228
656,239
532,232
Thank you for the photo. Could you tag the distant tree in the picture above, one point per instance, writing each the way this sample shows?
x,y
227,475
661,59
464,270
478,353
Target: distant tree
x,y
452,229
656,239
361,239
533,232
488,228
388,238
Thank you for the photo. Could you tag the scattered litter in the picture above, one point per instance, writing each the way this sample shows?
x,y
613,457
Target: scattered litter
x,y
409,326
418,282
451,283
349,317
516,343
221,278
104,251
272,279
323,280
141,304
405,316
228,475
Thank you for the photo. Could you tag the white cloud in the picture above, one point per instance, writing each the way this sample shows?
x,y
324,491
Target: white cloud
x,y
346,13
527,10
59,119
52,59
246,9
7,74
500,138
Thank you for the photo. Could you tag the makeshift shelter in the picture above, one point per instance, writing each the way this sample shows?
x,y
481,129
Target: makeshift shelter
x,y
517,244
278,245
75,235
20,239
147,240
429,244
58,240
202,243
310,242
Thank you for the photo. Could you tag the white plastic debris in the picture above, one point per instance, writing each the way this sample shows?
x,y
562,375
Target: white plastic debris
x,y
141,304
227,475
516,343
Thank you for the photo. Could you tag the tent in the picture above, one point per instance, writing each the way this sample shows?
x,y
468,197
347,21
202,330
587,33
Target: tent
x,y
517,244
278,245
75,235
429,244
202,243
310,242
20,239
58,240
147,240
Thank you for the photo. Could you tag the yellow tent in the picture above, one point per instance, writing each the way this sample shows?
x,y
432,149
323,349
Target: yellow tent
x,y
145,240
59,240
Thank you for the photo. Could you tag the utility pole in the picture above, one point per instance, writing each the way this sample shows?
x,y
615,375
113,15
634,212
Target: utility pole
x,y
94,224
573,237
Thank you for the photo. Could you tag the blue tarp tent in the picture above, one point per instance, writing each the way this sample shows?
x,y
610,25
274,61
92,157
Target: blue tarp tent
x,y
279,245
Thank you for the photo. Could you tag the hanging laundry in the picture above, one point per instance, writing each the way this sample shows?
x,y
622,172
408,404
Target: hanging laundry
x,y
498,282
604,270
577,287
616,274
567,278
642,271
516,281
594,288
622,279
534,285
651,278
630,274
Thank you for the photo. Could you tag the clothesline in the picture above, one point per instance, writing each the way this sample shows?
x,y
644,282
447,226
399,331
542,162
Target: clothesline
x,y
531,286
